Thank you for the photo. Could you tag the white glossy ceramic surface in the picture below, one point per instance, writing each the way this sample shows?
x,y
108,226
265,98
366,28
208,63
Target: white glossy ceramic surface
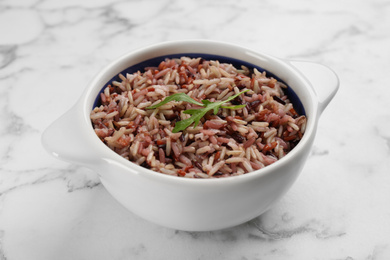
x,y
193,204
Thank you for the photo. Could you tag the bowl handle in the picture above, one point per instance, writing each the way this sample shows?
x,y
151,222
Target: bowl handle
x,y
323,79
66,140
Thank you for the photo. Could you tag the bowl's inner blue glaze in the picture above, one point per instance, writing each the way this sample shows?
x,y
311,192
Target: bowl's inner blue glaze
x,y
154,62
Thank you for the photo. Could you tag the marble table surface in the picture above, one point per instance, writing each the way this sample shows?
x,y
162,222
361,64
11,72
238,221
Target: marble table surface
x,y
338,209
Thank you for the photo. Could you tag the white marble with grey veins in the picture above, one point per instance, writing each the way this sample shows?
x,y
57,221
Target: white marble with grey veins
x,y
339,209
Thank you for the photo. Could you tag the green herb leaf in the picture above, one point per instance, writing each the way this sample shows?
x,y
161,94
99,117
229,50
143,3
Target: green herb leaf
x,y
196,114
176,97
183,124
191,111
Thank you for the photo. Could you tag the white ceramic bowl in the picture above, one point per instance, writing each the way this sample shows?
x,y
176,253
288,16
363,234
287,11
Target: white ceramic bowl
x,y
192,204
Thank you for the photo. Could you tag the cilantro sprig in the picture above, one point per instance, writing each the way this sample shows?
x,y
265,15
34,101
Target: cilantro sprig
x,y
197,113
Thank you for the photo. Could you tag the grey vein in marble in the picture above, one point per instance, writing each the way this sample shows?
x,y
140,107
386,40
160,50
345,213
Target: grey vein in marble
x,y
7,55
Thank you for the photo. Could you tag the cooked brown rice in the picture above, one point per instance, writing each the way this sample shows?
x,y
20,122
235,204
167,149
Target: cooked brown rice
x,y
233,142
